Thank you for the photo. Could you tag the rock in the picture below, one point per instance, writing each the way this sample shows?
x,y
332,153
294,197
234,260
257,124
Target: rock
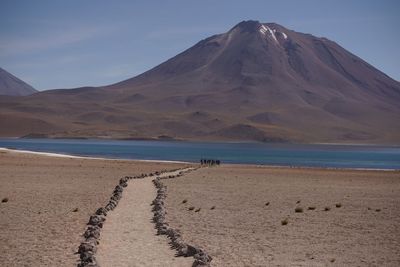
x,y
87,256
123,182
88,264
87,246
162,230
202,258
199,263
101,211
111,205
96,220
178,244
118,189
191,251
115,197
183,251
92,231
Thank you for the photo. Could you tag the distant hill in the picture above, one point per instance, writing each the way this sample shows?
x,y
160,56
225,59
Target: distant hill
x,y
258,81
11,85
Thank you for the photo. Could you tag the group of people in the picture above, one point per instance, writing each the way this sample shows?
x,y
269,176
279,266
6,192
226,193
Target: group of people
x,y
210,162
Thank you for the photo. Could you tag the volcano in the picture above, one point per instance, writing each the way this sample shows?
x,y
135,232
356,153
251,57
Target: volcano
x,y
258,81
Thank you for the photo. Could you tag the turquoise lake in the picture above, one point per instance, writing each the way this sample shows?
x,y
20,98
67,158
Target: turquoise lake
x,y
332,156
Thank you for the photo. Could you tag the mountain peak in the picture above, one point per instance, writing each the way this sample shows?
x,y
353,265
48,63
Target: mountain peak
x,y
248,25
11,85
271,30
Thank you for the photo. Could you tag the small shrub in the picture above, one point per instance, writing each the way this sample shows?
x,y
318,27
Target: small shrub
x,y
75,210
327,209
212,208
184,201
285,222
298,201
311,208
377,210
338,205
267,204
332,260
4,200
191,208
298,209
197,210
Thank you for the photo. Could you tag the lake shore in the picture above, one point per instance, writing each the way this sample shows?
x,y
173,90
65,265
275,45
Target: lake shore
x,y
60,155
271,154
38,225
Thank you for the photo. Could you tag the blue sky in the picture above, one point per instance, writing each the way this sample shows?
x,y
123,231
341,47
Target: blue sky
x,y
65,44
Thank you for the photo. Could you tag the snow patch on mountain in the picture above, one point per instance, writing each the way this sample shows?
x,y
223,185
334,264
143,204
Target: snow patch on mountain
x,y
265,29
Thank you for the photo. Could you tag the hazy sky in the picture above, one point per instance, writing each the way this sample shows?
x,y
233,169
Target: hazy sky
x,y
64,44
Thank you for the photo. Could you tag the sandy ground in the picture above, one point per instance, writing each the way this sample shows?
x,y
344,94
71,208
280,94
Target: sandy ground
x,y
243,231
128,237
37,225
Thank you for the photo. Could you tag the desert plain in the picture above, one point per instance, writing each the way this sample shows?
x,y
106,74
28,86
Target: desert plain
x,y
38,225
242,209
242,215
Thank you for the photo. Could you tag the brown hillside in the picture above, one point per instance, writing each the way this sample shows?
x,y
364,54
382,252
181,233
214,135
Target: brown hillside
x,y
255,82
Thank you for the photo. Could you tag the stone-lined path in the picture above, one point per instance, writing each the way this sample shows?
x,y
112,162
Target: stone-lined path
x,y
128,237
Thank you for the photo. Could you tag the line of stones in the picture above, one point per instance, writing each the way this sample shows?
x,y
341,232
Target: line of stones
x,y
201,258
88,248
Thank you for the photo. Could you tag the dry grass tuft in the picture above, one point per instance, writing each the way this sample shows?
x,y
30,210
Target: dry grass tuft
x,y
298,209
